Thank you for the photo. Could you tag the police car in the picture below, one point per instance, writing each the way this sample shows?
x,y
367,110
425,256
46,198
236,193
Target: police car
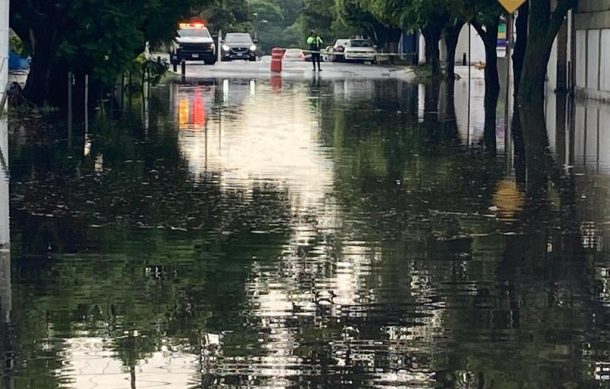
x,y
193,42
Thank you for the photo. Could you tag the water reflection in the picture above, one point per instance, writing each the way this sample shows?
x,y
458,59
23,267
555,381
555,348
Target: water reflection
x,y
282,233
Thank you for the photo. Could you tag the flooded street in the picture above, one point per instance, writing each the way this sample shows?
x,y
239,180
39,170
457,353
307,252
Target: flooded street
x,y
302,233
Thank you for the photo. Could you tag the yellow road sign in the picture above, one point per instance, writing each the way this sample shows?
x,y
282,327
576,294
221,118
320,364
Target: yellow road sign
x,y
511,5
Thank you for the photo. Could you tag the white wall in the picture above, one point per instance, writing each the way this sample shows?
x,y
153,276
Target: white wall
x,y
581,58
593,62
477,48
593,59
605,61
4,4
592,47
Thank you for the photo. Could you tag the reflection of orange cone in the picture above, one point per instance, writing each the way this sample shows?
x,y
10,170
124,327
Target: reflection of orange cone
x,y
198,112
508,199
276,83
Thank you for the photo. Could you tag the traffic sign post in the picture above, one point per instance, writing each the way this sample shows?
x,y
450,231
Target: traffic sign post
x,y
511,5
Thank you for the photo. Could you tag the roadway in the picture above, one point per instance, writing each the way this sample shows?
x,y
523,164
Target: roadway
x,y
296,70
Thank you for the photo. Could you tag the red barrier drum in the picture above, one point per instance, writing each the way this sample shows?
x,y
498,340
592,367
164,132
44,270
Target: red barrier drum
x,y
277,55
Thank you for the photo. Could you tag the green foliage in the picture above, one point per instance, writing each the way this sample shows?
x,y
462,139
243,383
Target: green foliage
x,y
98,37
228,16
16,45
330,20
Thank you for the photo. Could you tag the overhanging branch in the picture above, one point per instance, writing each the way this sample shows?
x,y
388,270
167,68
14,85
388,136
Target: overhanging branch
x,y
479,28
558,16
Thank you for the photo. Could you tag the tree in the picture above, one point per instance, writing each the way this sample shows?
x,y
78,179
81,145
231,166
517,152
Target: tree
x,y
98,38
484,16
318,15
268,20
228,16
431,17
544,24
382,31
518,57
486,21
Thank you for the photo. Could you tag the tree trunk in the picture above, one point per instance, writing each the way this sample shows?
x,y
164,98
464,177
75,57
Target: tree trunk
x,y
519,143
518,57
452,35
492,81
432,35
43,59
447,112
531,109
489,132
431,106
490,40
520,45
543,27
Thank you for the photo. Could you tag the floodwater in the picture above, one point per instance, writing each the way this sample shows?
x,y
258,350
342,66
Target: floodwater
x,y
300,234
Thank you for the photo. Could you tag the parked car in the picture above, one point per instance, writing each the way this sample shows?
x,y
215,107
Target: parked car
x,y
336,51
238,45
360,50
193,42
294,55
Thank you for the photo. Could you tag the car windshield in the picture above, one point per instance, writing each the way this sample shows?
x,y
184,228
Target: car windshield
x,y
194,33
341,42
360,43
238,38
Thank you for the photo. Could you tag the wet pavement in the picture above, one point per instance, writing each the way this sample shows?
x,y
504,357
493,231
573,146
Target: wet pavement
x,y
292,69
300,233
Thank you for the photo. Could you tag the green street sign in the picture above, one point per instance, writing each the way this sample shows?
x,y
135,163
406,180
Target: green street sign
x,y
511,5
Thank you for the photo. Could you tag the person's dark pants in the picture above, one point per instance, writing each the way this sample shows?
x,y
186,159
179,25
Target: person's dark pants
x,y
315,58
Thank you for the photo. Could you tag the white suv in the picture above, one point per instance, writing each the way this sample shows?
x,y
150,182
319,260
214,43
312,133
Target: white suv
x,y
193,43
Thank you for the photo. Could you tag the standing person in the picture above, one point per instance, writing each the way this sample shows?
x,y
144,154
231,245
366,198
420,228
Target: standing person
x,y
315,47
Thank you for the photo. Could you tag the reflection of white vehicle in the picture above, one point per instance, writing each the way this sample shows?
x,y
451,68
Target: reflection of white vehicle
x,y
193,106
294,55
360,50
194,43
354,89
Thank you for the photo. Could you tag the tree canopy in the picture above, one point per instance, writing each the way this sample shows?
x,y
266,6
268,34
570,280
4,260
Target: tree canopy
x,y
99,37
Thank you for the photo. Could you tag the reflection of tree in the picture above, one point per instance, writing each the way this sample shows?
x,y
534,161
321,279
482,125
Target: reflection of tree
x,y
398,273
173,255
